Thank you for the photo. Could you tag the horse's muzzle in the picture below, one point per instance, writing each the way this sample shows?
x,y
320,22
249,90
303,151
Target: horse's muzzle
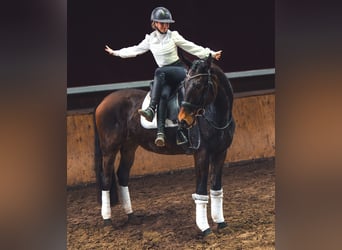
x,y
185,119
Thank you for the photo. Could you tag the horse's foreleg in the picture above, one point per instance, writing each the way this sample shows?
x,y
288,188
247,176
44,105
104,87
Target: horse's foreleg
x,y
201,202
201,197
216,202
216,191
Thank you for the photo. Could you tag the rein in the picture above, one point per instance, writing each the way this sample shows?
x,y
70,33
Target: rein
x,y
198,75
217,127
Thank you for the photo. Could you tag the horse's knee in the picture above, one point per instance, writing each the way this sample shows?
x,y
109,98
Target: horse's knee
x,y
106,183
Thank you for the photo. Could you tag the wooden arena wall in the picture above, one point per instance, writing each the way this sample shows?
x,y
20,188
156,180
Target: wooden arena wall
x,y
254,138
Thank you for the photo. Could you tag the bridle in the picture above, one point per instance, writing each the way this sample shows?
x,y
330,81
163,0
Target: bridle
x,y
199,110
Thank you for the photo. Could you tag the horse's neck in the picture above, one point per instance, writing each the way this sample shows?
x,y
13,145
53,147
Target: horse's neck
x,y
221,107
221,102
225,90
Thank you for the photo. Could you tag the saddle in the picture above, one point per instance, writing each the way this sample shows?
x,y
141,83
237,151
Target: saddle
x,y
172,110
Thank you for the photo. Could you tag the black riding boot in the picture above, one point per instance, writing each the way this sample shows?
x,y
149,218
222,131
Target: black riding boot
x,y
161,116
149,112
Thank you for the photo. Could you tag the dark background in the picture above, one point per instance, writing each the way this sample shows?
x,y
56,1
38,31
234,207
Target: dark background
x,y
244,30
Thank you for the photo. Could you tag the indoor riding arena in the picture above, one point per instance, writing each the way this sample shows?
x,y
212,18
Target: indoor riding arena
x,y
161,186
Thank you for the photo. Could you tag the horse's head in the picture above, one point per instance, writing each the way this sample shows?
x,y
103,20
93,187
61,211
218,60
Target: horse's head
x,y
200,90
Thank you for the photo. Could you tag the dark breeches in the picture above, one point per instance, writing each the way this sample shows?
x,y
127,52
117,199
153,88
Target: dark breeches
x,y
172,76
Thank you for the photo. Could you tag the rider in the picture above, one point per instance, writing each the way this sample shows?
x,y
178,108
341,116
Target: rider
x,y
163,44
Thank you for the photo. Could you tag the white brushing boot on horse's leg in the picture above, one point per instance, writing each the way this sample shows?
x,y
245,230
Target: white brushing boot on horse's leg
x,y
127,205
216,202
105,208
201,202
125,199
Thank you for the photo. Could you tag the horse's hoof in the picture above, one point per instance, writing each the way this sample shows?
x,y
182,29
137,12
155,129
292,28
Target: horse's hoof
x,y
133,219
107,222
207,236
223,228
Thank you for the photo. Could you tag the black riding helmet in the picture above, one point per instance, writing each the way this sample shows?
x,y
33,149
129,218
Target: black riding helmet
x,y
161,15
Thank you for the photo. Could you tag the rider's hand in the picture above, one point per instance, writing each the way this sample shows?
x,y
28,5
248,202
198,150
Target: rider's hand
x,y
110,51
217,55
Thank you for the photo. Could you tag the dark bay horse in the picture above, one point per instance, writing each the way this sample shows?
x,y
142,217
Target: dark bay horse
x,y
207,109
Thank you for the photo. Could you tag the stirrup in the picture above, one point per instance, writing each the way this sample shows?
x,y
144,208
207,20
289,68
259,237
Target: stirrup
x,y
160,140
147,113
181,138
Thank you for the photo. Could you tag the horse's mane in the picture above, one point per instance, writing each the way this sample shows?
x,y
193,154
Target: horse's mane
x,y
198,67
